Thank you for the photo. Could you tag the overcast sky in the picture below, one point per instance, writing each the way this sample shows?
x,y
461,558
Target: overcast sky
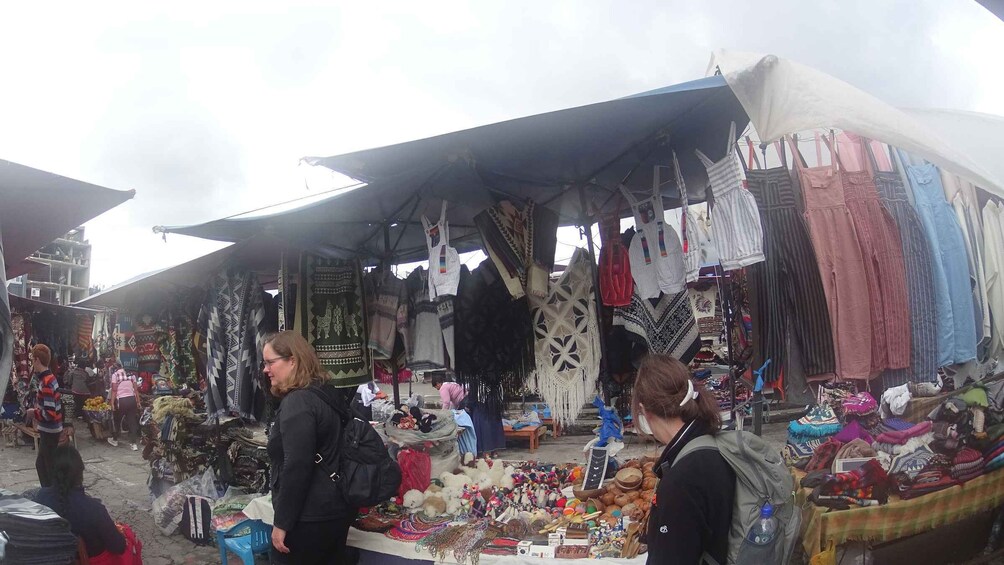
x,y
206,107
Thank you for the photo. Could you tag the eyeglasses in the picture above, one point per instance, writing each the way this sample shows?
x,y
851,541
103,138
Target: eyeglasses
x,y
269,362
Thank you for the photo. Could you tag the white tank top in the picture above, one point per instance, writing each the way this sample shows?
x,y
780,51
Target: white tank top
x,y
444,262
656,254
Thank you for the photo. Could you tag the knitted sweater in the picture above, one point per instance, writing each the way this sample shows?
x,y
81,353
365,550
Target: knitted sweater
x,y
49,405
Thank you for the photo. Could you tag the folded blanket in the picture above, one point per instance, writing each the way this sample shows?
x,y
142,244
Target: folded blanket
x,y
797,453
822,458
911,444
911,463
860,404
853,431
869,474
821,421
905,435
897,424
854,449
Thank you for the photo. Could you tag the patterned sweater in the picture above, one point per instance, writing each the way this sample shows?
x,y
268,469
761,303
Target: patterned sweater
x,y
49,405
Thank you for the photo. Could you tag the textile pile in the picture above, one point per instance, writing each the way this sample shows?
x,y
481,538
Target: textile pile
x,y
33,534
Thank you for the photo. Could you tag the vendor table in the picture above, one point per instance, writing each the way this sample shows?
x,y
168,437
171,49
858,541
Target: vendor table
x,y
376,547
899,518
532,433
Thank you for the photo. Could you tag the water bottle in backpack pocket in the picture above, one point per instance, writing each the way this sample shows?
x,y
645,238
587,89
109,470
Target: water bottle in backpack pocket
x,y
763,542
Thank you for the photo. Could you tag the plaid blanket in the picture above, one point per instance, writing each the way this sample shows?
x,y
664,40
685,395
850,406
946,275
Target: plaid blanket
x,y
899,518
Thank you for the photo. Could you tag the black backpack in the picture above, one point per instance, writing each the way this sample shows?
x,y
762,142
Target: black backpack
x,y
362,468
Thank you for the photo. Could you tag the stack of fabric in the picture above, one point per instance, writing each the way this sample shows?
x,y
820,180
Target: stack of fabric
x,y
993,457
803,440
967,464
865,486
862,408
33,533
808,433
935,476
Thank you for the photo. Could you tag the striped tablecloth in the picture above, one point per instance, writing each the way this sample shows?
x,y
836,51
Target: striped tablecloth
x,y
899,518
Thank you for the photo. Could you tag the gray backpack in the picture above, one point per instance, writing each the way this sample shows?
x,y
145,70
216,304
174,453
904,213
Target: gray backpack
x,y
761,477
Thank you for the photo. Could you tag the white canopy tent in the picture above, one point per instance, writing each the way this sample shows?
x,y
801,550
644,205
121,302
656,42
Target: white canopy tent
x,y
782,97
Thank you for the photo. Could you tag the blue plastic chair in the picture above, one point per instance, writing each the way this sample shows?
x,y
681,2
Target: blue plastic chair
x,y
244,539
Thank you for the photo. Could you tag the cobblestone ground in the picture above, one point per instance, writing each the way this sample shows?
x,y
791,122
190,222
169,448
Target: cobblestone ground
x,y
118,477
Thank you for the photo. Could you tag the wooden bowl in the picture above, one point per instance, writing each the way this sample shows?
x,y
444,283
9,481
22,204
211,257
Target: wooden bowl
x,y
629,478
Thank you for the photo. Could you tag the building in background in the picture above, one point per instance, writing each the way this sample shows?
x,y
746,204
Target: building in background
x,y
64,273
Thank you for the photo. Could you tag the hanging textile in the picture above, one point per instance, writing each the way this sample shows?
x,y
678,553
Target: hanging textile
x,y
167,344
962,196
20,370
147,345
283,296
953,296
738,233
616,283
841,264
6,332
444,262
993,245
521,244
125,343
688,228
885,271
664,325
383,293
426,346
235,318
85,328
331,315
655,253
494,340
786,289
567,340
917,264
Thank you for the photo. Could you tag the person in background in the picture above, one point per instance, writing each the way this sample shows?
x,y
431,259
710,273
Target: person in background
x,y
77,379
88,518
124,398
362,402
47,413
451,394
692,512
311,518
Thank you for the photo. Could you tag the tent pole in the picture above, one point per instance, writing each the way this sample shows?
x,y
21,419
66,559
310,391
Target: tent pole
x,y
385,265
587,225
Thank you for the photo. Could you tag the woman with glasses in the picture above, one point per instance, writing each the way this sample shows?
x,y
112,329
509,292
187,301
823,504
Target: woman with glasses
x,y
311,518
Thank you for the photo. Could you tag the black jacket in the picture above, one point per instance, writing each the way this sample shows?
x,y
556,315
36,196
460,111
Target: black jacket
x,y
692,513
301,491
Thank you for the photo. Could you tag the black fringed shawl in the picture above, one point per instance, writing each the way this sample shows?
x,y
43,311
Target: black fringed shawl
x,y
494,338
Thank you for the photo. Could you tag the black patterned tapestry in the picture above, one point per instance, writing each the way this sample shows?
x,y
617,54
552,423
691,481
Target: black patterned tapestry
x,y
331,315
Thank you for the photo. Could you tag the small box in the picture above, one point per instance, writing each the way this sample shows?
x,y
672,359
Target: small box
x,y
574,541
545,551
554,539
523,548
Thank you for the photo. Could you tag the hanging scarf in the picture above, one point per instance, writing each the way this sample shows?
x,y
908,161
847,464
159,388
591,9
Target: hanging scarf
x,y
567,340
425,332
494,338
665,325
331,315
234,316
521,244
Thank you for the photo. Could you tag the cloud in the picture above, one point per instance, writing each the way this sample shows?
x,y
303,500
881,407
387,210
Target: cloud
x,y
205,108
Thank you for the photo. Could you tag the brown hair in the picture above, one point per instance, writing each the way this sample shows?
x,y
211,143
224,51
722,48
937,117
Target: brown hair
x,y
307,367
661,385
42,353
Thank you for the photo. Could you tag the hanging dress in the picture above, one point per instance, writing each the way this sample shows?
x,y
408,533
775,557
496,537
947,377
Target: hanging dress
x,y
962,196
841,265
444,262
953,296
993,248
567,340
426,347
689,227
656,254
738,233
917,269
786,288
384,292
882,251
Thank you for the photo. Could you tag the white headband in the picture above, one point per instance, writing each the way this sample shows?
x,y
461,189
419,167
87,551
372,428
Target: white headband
x,y
691,393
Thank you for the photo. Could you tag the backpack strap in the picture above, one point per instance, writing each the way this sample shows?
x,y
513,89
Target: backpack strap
x,y
343,414
700,443
331,467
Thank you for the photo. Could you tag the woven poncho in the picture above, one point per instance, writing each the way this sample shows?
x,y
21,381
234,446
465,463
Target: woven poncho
x,y
567,340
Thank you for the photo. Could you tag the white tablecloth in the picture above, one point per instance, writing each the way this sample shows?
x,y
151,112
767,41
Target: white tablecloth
x,y
261,509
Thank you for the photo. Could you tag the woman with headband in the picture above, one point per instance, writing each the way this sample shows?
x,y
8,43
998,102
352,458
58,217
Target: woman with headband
x,y
692,511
